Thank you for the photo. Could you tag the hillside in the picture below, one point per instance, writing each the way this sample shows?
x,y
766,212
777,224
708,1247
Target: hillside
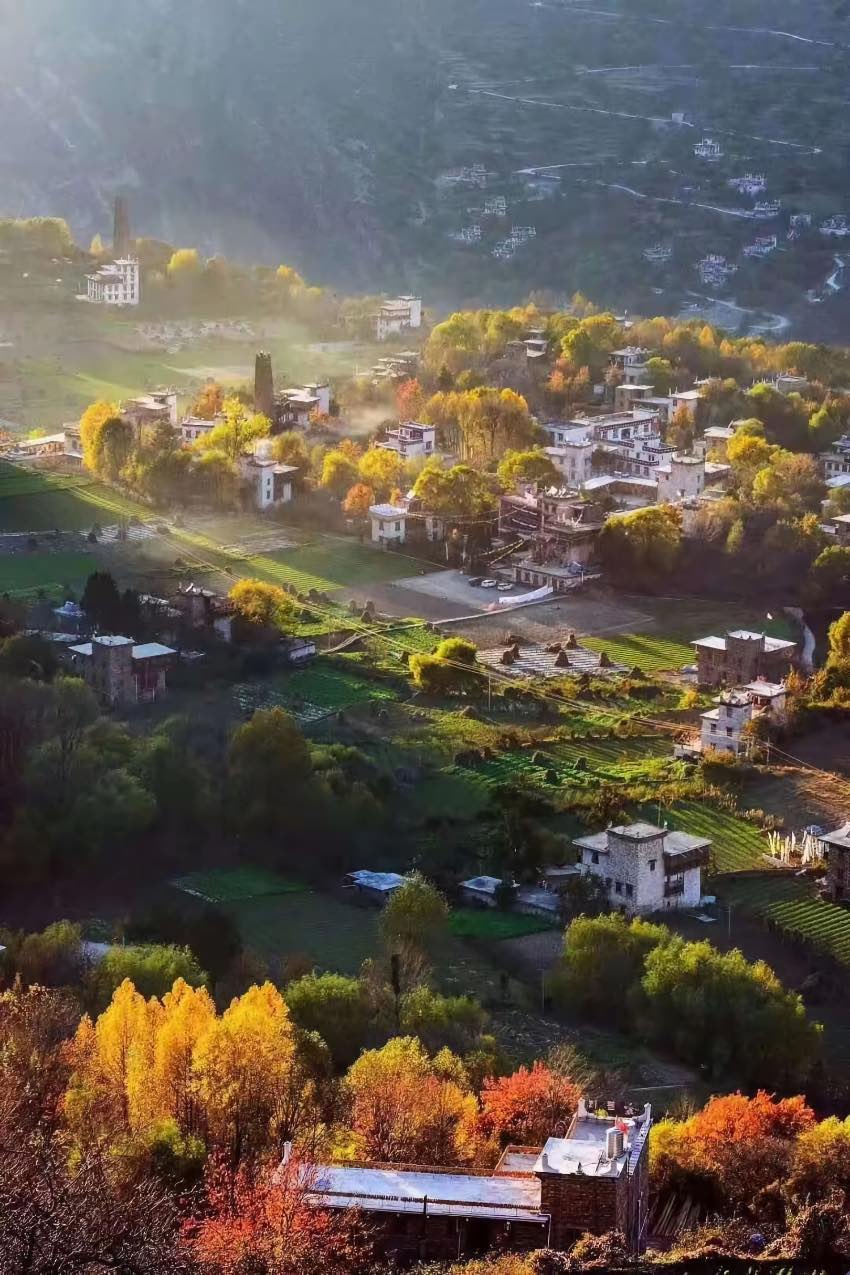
x,y
334,135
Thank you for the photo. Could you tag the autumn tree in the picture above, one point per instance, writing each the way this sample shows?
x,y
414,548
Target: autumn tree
x,y
680,430
528,1106
92,423
237,432
645,542
358,500
289,448
527,467
405,1107
263,606
603,959
381,470
460,492
339,472
336,1007
208,402
451,670
264,1223
184,266
410,400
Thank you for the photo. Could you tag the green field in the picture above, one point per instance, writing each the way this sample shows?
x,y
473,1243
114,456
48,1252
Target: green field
x,y
736,844
615,760
230,885
312,693
33,500
331,934
23,573
647,652
333,565
488,923
793,905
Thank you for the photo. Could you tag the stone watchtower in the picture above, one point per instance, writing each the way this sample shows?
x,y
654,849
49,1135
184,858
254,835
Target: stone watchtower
x,y
121,242
264,385
112,670
744,653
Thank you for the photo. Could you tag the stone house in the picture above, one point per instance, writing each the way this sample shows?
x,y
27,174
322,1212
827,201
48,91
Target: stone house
x,y
644,868
594,1178
836,849
741,657
122,672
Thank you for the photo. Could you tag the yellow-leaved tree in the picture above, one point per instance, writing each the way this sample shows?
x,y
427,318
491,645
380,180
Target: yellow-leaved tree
x,y
92,421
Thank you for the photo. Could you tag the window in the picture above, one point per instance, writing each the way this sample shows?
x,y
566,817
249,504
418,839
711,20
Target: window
x,y
595,856
608,883
398,526
618,887
652,864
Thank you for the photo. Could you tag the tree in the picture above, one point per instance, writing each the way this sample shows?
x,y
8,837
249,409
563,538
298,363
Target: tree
x,y
784,416
358,500
646,541
660,372
184,267
748,453
527,467
263,606
725,1014
603,961
404,1109
269,763
153,969
289,448
101,602
529,1105
830,572
821,1161
28,655
460,492
381,470
451,670
243,1065
680,430
415,914
339,473
791,481
410,400
337,1008
839,638
237,432
92,423
209,401
442,1022
264,1223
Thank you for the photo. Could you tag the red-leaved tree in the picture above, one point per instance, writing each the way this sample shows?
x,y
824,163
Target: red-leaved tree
x,y
529,1105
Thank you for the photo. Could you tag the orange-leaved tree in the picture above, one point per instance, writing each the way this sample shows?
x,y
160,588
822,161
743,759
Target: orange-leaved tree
x,y
529,1105
358,500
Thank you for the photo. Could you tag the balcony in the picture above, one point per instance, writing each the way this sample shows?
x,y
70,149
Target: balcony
x,y
673,887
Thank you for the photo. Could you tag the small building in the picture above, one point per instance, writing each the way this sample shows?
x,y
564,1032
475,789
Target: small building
x,y
631,362
122,672
147,411
397,315
836,460
681,478
716,439
191,428
594,1179
574,459
116,283
741,657
836,850
376,887
269,483
723,727
709,150
481,892
201,608
644,868
411,441
388,524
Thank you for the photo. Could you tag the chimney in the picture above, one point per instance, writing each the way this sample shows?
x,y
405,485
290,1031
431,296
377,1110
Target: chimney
x,y
613,1144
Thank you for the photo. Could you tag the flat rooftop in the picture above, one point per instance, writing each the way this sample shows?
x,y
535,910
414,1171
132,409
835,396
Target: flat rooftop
x,y
397,1190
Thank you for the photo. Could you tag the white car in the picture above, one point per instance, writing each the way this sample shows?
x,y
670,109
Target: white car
x,y
504,587
489,584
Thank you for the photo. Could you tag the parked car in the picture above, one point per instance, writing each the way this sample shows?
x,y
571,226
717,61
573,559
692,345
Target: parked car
x,y
489,584
475,581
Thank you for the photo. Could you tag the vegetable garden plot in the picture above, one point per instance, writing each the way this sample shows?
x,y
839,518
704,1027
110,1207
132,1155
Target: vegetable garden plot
x,y
736,844
792,904
487,923
228,885
644,651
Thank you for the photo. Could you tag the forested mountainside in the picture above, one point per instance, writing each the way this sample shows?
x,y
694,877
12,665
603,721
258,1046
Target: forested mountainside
x,y
372,145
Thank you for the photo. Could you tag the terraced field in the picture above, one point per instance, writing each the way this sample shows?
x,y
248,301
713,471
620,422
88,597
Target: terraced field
x,y
736,844
647,652
792,904
311,694
25,573
579,761
31,500
332,565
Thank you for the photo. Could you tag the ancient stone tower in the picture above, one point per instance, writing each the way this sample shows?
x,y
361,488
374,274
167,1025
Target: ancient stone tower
x,y
121,228
263,385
